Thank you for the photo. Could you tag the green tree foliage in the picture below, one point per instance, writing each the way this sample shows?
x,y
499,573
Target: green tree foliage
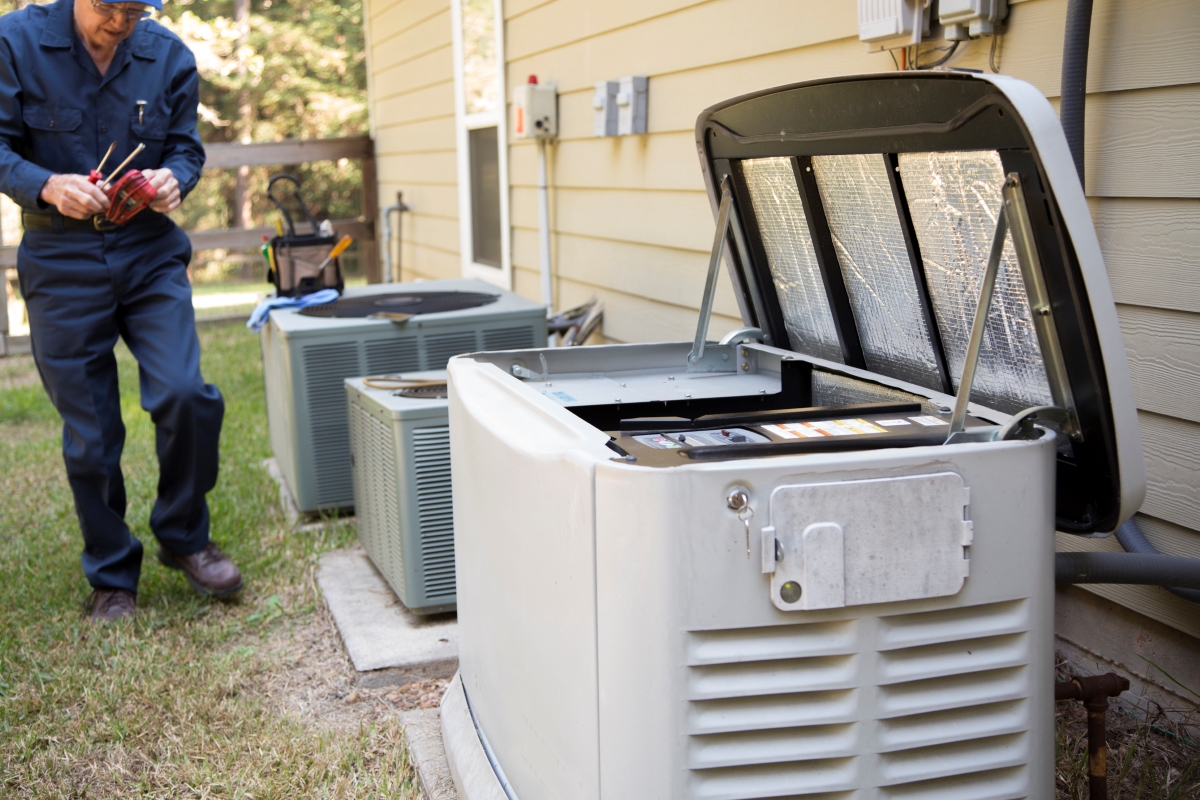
x,y
302,68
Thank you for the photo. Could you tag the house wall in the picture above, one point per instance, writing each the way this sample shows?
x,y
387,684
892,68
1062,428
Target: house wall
x,y
631,222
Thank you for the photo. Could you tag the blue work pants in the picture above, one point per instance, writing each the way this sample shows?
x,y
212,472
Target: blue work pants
x,y
82,290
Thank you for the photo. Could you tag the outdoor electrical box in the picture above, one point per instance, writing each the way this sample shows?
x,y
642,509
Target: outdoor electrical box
x,y
967,19
816,557
892,24
604,103
371,330
400,452
632,102
535,110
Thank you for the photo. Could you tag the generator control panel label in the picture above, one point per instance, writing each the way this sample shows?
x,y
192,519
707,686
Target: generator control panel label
x,y
813,429
713,438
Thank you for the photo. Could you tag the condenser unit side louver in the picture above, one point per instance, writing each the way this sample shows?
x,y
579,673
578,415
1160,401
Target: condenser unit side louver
x,y
401,453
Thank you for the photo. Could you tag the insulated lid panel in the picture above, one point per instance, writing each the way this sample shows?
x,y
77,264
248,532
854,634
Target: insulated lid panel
x,y
874,260
791,256
909,173
954,199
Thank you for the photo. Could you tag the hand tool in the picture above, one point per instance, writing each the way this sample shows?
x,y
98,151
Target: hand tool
x,y
337,250
130,195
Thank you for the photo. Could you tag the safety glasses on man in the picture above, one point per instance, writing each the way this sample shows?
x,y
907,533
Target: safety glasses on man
x,y
131,11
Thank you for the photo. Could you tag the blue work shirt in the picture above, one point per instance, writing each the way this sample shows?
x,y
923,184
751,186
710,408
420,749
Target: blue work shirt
x,y
59,115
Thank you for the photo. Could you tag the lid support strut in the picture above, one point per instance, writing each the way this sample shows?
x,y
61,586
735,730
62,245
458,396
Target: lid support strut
x,y
958,420
1015,214
726,218
1040,309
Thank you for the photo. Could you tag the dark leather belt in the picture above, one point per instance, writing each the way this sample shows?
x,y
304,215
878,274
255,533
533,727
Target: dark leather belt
x,y
57,222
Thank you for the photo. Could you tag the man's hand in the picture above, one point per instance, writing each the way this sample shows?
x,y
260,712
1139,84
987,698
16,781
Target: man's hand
x,y
74,196
168,189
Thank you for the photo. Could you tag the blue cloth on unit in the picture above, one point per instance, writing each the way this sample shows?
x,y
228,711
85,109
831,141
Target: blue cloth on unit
x,y
258,317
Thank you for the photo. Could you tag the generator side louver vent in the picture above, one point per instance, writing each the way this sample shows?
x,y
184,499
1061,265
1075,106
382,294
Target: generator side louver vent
x,y
431,468
325,367
791,710
392,355
508,338
442,347
947,726
376,499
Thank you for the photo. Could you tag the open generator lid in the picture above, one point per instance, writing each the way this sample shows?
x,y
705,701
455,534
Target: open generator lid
x,y
859,217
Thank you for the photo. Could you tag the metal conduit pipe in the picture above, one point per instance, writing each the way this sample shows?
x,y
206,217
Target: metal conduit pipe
x,y
1073,90
1129,568
391,273
1134,541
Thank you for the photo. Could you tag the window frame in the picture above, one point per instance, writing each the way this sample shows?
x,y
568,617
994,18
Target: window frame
x,y
463,124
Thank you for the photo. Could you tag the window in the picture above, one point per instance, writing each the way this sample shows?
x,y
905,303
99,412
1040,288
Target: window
x,y
485,197
482,140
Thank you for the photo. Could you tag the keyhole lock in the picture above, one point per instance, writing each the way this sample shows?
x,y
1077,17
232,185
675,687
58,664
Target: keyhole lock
x,y
739,501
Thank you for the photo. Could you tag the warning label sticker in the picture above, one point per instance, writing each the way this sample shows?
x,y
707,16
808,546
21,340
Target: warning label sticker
x,y
892,423
928,421
812,429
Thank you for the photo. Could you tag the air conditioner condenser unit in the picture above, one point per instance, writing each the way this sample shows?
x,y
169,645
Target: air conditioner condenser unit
x,y
814,559
307,356
400,452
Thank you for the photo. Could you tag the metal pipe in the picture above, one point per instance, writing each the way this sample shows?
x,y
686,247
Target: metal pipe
x,y
1127,568
1094,692
1073,88
1134,541
959,419
544,228
391,274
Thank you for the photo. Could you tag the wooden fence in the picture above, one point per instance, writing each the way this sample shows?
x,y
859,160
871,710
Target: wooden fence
x,y
288,151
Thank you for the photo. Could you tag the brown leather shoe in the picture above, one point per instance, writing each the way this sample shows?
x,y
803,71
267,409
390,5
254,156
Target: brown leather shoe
x,y
104,605
209,571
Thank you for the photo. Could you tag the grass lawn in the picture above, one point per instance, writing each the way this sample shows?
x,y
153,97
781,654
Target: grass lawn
x,y
194,698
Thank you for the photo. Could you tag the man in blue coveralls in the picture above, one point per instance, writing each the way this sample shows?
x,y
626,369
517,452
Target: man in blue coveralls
x,y
74,77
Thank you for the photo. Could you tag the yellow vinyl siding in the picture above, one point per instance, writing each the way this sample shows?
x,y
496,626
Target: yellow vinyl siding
x,y
412,113
631,223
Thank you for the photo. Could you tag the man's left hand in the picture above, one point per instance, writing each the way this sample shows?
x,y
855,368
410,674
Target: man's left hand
x,y
164,181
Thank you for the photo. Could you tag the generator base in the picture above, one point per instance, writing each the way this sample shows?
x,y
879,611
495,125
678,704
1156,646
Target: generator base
x,y
473,775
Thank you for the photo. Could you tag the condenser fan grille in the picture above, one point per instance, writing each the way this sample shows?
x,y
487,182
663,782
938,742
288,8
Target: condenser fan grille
x,y
400,303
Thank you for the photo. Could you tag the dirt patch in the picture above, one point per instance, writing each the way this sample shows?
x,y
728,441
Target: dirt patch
x,y
314,679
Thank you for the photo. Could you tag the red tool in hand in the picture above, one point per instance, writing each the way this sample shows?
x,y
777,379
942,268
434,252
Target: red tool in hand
x,y
129,196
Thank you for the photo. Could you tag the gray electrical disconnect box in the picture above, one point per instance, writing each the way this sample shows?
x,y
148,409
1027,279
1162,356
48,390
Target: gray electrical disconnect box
x,y
966,19
631,105
605,104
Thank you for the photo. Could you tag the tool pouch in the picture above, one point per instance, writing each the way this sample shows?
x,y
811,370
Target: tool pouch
x,y
296,258
297,262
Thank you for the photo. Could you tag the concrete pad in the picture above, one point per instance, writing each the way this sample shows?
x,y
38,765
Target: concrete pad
x,y
423,732
385,640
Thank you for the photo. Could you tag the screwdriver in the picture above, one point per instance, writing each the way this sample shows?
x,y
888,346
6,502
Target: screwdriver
x,y
337,250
